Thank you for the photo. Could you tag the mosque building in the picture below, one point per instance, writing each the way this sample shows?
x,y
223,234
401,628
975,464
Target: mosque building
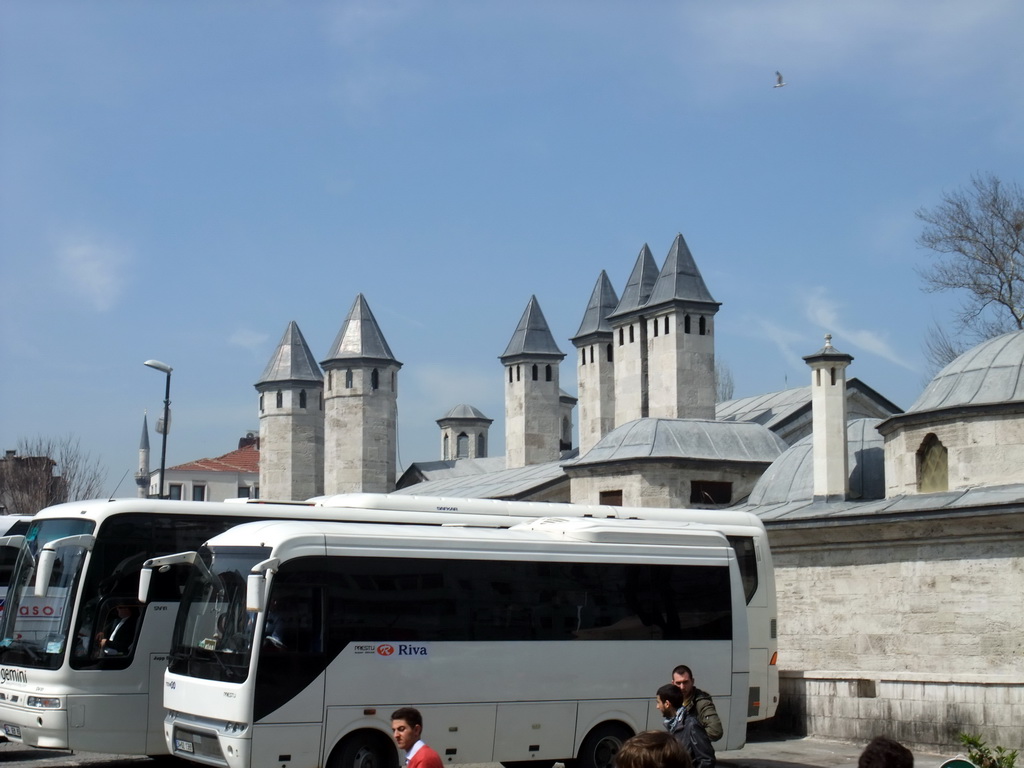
x,y
896,536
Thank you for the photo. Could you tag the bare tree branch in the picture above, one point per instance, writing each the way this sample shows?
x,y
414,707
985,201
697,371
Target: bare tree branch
x,y
45,471
724,385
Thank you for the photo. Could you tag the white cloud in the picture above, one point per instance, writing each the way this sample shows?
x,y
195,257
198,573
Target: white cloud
x,y
94,271
823,311
248,339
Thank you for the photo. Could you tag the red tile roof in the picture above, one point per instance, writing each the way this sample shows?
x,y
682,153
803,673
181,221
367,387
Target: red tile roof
x,y
246,459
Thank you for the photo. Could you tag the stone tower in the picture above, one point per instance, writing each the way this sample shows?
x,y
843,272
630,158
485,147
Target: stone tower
x,y
532,395
291,403
464,433
828,414
595,365
678,323
361,397
142,476
629,343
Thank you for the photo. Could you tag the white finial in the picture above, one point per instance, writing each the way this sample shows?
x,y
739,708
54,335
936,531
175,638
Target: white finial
x,y
828,339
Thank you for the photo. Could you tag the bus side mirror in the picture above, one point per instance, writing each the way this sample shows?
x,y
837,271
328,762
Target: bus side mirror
x,y
145,577
44,571
255,593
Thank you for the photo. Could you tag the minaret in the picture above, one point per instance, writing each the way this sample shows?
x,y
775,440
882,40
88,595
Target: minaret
x,y
629,342
595,365
679,325
464,433
361,395
142,476
828,414
291,409
532,396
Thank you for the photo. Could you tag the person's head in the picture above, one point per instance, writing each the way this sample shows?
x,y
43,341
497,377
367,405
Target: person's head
x,y
406,727
669,699
652,749
883,752
682,678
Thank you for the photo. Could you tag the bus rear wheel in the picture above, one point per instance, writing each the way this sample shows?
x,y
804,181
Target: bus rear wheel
x,y
364,750
601,745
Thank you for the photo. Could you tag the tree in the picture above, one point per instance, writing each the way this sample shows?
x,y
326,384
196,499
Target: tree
x,y
724,385
977,235
45,471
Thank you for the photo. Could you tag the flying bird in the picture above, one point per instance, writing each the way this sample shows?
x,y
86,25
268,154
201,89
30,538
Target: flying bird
x,y
778,80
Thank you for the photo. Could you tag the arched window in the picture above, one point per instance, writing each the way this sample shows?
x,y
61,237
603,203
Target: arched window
x,y
330,380
609,352
445,450
348,379
261,402
832,371
621,338
631,334
519,373
374,379
534,371
932,465
547,373
481,446
655,324
302,398
280,399
591,353
583,360
666,325
703,324
686,324
462,446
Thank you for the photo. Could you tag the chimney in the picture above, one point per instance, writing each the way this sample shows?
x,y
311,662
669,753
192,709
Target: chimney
x,y
828,409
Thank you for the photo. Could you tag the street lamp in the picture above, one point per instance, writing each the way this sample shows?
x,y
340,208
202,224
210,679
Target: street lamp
x,y
167,417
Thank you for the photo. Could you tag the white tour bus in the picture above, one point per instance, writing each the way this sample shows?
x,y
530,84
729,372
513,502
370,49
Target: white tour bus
x,y
78,694
744,531
544,641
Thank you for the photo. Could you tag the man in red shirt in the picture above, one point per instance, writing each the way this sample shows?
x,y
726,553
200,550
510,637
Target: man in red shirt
x,y
407,725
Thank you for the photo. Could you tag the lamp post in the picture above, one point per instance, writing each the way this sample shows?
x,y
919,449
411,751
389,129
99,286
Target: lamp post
x,y
167,417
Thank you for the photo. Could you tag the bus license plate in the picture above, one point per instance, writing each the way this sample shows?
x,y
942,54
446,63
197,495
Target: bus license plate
x,y
12,730
183,746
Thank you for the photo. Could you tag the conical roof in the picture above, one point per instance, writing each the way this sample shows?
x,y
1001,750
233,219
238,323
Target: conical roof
x,y
463,412
532,337
292,360
680,280
360,337
144,442
640,284
602,303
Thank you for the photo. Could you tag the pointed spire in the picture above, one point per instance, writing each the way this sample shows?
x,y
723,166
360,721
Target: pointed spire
x,y
641,282
292,360
360,337
680,280
532,337
144,442
602,303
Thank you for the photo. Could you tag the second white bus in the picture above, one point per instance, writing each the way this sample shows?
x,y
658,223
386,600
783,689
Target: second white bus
x,y
544,641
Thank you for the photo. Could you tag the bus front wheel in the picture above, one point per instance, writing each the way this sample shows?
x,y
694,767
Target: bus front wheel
x,y
364,750
601,745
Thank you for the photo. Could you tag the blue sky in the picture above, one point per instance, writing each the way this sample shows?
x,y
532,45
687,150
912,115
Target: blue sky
x,y
179,180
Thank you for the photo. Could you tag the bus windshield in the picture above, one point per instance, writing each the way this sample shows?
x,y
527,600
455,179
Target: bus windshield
x,y
35,630
213,634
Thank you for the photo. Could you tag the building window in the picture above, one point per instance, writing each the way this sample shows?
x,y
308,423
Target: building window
x,y
932,466
710,492
547,373
611,498
198,493
621,338
348,379
630,334
686,324
261,402
481,447
591,353
174,491
510,374
302,398
534,371
374,379
609,352
243,491
519,373
462,446
280,399
703,325
583,360
655,324
445,449
832,371
666,325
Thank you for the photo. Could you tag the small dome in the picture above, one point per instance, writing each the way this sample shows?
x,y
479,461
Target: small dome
x,y
791,477
463,411
686,439
989,373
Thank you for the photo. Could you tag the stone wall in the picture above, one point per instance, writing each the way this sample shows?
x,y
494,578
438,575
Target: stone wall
x,y
923,618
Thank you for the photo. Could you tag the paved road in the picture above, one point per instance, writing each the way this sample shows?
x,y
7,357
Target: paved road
x,y
763,751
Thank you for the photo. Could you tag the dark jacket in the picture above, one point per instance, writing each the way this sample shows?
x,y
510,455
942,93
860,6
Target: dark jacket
x,y
689,733
703,707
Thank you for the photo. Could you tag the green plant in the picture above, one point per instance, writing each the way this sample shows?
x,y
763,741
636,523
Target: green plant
x,y
979,753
